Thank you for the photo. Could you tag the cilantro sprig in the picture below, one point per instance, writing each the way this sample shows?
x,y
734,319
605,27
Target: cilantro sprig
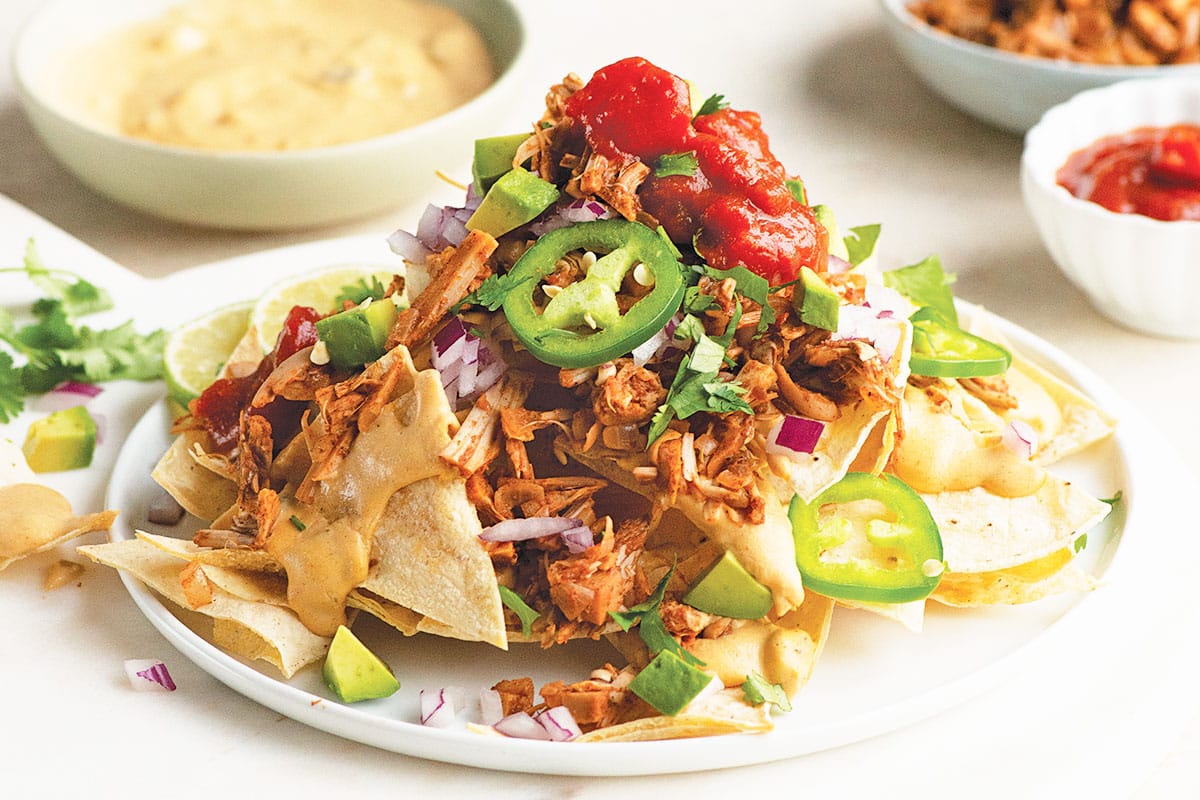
x,y
493,291
54,348
696,386
360,290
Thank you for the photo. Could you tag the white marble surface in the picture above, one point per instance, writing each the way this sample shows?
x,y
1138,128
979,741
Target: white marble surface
x,y
868,139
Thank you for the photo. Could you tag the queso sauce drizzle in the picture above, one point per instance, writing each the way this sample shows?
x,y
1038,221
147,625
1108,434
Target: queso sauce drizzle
x,y
1154,172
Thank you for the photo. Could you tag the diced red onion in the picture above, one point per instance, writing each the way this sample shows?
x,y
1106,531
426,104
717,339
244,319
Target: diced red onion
x,y
407,246
793,435
88,390
861,322
578,539
1020,437
491,707
438,706
559,723
67,395
467,364
439,227
580,210
887,302
520,530
522,726
149,675
838,265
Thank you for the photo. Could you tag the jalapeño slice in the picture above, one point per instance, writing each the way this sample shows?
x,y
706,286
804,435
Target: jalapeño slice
x,y
582,326
868,538
941,349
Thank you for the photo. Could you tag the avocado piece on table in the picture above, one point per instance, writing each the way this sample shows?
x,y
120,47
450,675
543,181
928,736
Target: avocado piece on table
x,y
64,440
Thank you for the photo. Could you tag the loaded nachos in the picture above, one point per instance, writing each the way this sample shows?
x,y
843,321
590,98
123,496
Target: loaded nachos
x,y
636,388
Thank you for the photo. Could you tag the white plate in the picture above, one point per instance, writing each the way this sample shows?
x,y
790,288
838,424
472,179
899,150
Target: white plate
x,y
872,678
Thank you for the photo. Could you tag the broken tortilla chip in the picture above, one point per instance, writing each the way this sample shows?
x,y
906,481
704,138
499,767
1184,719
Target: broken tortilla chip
x,y
251,629
34,518
984,532
427,557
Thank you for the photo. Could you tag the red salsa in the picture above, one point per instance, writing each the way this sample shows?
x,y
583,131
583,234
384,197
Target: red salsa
x,y
219,407
1150,171
735,206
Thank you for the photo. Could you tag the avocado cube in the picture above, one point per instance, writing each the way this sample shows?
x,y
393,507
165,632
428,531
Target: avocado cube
x,y
514,199
669,683
728,590
493,157
837,245
358,335
64,440
353,672
818,304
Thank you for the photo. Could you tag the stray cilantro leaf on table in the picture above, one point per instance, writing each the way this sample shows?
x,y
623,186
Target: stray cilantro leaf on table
x,y
36,357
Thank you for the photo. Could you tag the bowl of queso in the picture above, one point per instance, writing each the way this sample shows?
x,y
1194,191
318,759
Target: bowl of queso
x,y
1111,179
256,116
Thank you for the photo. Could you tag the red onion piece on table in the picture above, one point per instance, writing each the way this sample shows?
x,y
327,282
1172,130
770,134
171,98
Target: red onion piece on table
x,y
149,675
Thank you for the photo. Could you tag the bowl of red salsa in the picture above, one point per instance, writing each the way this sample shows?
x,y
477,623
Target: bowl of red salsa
x,y
1111,179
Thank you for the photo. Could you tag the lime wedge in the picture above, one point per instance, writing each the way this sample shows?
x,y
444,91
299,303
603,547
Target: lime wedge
x,y
196,351
317,290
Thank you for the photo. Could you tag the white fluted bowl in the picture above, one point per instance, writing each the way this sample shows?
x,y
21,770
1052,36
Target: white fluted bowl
x,y
1140,272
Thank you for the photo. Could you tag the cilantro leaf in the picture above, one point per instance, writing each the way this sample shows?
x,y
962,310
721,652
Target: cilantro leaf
x,y
524,612
1081,542
493,291
650,624
861,241
926,284
359,291
727,396
694,302
712,104
751,286
676,164
1112,501
757,691
78,297
12,394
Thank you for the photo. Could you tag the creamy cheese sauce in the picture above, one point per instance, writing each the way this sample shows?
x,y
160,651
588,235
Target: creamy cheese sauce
x,y
281,74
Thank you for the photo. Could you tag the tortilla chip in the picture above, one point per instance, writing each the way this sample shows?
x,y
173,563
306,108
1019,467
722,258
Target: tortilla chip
x,y
1065,420
230,558
427,557
34,518
253,630
721,713
1054,574
983,532
202,492
402,619
766,550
